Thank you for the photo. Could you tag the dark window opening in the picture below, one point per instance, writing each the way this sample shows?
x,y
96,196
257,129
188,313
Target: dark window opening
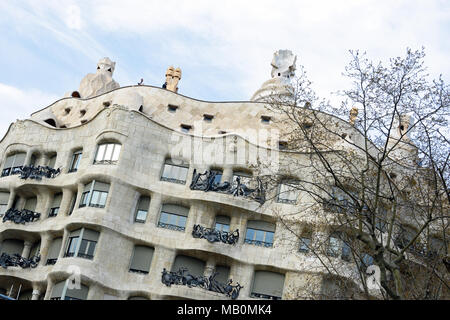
x,y
172,108
208,117
51,122
76,94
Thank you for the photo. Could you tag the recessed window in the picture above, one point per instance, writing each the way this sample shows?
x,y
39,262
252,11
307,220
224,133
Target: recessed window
x,y
172,108
282,145
142,209
288,193
305,243
222,223
265,119
107,153
64,291
185,128
94,195
267,285
208,117
82,112
194,266
75,162
82,243
56,203
142,259
4,198
260,233
222,132
14,164
337,247
53,252
173,217
176,173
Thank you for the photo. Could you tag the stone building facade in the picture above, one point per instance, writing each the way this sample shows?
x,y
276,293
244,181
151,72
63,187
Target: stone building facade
x,y
137,183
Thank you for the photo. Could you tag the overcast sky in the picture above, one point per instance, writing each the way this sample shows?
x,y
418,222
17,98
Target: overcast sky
x,y
224,48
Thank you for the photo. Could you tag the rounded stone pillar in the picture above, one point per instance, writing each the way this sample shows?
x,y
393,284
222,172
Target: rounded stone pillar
x,y
35,294
26,249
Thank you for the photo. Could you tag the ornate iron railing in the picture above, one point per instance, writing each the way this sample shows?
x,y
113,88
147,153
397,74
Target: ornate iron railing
x,y
38,172
16,260
20,216
171,226
259,243
51,262
205,182
264,296
181,277
214,235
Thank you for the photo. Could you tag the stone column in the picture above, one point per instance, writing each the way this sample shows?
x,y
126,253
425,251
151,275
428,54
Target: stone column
x,y
48,292
43,203
227,174
210,266
12,196
153,211
242,273
28,157
95,293
63,244
26,249
46,241
241,224
35,294
162,258
44,160
66,201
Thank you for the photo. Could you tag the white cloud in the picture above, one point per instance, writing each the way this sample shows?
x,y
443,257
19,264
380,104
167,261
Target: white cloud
x,y
73,18
20,103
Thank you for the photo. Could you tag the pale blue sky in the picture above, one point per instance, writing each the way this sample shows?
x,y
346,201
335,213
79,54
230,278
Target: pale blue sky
x,y
223,48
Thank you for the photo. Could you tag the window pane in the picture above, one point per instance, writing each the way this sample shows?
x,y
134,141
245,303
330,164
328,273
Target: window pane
x,y
103,197
109,151
100,152
164,217
72,245
83,246
116,153
181,221
269,237
141,215
259,235
95,197
91,248
250,234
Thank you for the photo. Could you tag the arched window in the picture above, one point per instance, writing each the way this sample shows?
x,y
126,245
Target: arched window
x,y
173,217
260,233
107,153
141,259
14,164
267,285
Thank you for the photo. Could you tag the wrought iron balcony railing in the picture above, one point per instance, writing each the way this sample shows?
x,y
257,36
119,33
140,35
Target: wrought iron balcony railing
x,y
264,296
182,277
259,243
16,260
20,216
171,226
51,262
38,172
214,235
138,271
205,182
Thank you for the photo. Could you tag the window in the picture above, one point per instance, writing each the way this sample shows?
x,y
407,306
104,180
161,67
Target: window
x,y
267,285
260,233
14,164
95,195
366,261
342,200
84,248
195,267
107,153
217,176
208,117
173,217
172,108
244,179
265,119
52,161
176,173
305,243
141,259
72,203
288,193
337,247
30,204
63,291
53,252
185,128
282,145
222,223
4,198
223,273
142,209
56,203
12,246
76,158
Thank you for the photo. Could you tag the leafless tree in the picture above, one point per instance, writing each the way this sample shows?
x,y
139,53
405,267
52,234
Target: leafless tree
x,y
372,190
